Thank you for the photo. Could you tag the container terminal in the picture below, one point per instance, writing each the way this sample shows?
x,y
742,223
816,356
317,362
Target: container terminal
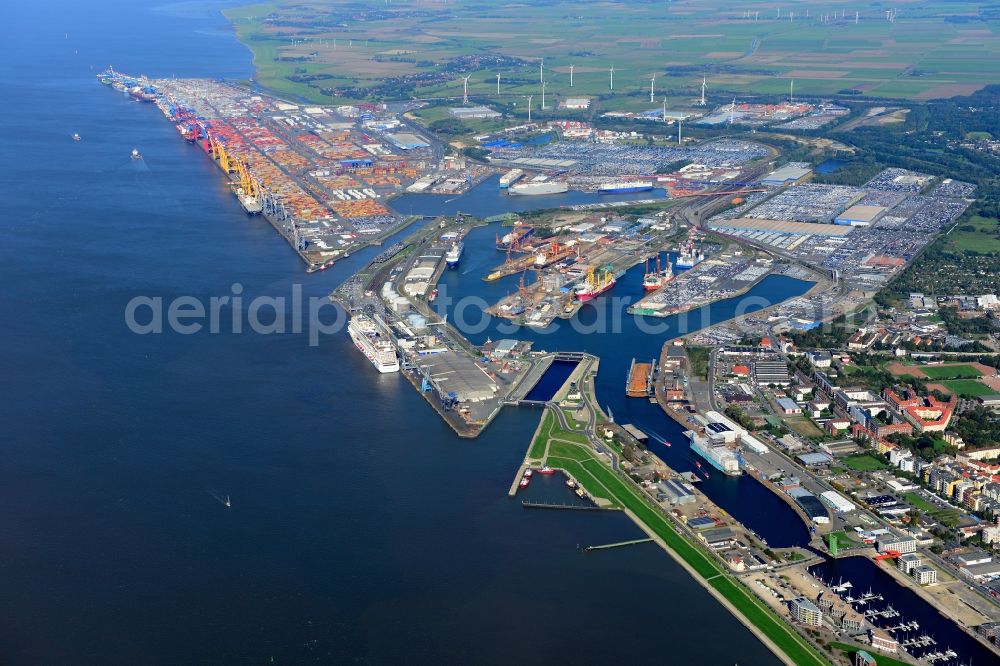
x,y
320,175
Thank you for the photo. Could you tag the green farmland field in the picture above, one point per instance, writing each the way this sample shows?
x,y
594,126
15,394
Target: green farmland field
x,y
305,47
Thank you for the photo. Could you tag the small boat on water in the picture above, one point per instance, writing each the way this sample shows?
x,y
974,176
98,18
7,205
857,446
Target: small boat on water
x,y
528,473
76,137
571,484
135,154
524,482
580,493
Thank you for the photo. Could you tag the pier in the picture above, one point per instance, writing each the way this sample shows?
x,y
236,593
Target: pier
x,y
620,544
569,507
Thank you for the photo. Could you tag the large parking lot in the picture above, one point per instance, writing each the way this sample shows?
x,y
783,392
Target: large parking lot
x,y
583,158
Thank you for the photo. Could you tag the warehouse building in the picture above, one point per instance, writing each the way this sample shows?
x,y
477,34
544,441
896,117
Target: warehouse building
x,y
407,141
837,502
791,173
859,216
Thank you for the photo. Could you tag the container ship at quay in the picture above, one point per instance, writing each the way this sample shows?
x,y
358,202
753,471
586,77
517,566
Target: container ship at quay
x,y
625,188
536,188
718,446
371,338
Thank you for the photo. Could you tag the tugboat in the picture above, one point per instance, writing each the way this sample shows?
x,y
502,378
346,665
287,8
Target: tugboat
x,y
546,471
571,484
135,154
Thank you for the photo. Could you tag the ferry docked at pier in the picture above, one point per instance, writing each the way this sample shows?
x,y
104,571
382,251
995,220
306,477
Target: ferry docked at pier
x,y
374,342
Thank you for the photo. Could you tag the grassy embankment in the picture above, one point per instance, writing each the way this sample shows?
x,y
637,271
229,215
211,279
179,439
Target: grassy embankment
x,y
598,479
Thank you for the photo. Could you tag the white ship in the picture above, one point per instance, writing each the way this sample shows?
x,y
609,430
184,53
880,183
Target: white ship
x,y
623,188
689,256
534,188
717,446
454,254
374,342
510,178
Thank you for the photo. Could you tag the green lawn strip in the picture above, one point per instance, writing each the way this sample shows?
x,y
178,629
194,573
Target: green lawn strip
x,y
919,502
595,472
569,450
882,659
864,463
583,477
537,449
770,623
773,626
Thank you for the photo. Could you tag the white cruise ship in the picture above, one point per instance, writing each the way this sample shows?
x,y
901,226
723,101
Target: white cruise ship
x,y
374,342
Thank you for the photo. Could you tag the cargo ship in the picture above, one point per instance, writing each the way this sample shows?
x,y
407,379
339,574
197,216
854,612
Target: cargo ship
x,y
597,283
640,380
551,254
535,188
454,254
513,240
658,278
510,178
718,446
373,341
625,188
143,94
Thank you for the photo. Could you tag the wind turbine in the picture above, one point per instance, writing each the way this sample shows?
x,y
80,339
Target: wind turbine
x,y
704,79
465,90
529,107
544,85
791,91
652,87
680,141
571,76
664,110
732,112
541,71
612,77
498,84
